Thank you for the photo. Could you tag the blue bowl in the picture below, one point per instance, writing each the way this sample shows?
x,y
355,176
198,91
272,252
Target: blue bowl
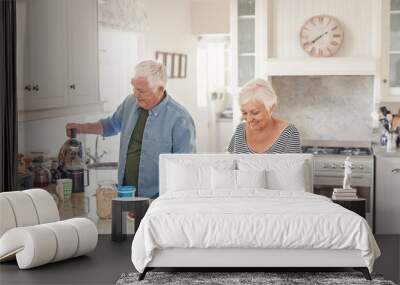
x,y
125,191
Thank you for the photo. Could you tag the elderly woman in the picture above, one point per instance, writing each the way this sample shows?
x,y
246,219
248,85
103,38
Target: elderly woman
x,y
261,132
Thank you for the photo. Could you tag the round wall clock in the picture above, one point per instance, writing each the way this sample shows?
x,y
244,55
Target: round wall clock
x,y
321,35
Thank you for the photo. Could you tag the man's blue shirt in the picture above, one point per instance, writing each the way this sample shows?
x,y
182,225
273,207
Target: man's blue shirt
x,y
169,129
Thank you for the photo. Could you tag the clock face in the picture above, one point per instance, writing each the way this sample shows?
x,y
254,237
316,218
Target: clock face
x,y
321,35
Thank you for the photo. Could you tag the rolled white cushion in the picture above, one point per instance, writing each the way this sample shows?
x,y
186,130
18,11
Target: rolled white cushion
x,y
34,245
37,245
45,205
87,234
67,240
23,208
7,218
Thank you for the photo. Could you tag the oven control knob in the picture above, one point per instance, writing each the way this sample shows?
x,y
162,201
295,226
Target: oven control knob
x,y
325,165
342,166
333,165
361,166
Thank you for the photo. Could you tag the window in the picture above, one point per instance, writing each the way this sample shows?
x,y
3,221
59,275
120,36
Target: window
x,y
118,55
213,67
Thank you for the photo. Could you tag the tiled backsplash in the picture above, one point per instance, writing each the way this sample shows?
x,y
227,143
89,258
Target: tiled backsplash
x,y
327,107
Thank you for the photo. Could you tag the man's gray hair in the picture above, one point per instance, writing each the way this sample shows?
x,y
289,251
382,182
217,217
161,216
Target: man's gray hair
x,y
154,72
258,90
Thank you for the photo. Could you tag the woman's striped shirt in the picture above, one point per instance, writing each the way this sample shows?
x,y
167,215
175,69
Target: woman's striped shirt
x,y
288,141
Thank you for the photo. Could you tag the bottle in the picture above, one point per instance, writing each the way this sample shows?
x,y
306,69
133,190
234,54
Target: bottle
x,y
383,139
391,142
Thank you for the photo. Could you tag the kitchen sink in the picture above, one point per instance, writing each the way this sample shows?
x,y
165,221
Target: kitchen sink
x,y
103,165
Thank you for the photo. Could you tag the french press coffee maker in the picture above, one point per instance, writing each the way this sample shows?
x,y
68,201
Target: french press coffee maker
x,y
71,162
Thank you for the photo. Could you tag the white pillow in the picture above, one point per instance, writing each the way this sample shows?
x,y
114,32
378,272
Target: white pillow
x,y
223,179
292,179
282,174
251,178
186,177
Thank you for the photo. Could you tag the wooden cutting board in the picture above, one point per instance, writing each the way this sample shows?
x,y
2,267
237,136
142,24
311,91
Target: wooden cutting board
x,y
396,121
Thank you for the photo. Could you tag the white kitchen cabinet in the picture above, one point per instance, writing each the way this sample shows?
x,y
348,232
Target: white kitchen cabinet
x,y
56,54
83,84
243,23
387,194
45,55
390,58
245,41
224,134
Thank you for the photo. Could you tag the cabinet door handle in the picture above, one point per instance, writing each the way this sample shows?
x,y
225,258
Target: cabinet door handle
x,y
396,170
35,88
72,86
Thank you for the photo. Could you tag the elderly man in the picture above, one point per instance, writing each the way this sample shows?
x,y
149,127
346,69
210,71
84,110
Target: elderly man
x,y
151,122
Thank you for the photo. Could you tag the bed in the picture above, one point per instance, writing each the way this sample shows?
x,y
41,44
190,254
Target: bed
x,y
224,210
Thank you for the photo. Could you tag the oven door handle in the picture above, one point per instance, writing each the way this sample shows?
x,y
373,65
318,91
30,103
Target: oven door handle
x,y
353,176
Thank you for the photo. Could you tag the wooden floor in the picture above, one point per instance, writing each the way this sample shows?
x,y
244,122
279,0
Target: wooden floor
x,y
111,259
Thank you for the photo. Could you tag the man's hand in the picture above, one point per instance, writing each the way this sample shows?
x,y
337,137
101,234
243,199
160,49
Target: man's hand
x,y
87,128
80,128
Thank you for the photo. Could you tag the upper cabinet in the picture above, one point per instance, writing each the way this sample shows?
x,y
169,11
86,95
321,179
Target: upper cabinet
x,y
43,47
57,54
83,75
390,77
244,40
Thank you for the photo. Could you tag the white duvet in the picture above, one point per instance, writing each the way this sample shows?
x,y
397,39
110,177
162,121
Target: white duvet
x,y
252,218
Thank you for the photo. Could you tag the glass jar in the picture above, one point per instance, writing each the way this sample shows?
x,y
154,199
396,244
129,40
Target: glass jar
x,y
41,174
105,192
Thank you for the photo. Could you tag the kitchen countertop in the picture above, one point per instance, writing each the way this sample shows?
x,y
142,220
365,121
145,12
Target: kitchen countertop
x,y
381,151
221,119
84,205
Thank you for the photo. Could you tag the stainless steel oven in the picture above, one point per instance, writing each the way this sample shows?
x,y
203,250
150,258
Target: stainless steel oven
x,y
329,160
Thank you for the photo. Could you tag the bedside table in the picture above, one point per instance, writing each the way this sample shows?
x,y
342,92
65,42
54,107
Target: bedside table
x,y
358,206
138,205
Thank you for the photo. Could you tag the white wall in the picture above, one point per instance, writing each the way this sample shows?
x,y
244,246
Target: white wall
x,y
170,31
210,17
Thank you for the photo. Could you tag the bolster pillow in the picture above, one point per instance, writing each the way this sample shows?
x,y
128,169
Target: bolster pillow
x,y
40,244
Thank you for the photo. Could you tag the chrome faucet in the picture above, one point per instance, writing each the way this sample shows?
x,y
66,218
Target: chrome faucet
x,y
96,157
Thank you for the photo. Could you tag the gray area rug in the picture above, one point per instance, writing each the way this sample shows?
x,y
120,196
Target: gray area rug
x,y
269,278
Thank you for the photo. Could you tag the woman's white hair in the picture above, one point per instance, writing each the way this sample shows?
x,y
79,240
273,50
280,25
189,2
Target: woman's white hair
x,y
258,90
154,72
